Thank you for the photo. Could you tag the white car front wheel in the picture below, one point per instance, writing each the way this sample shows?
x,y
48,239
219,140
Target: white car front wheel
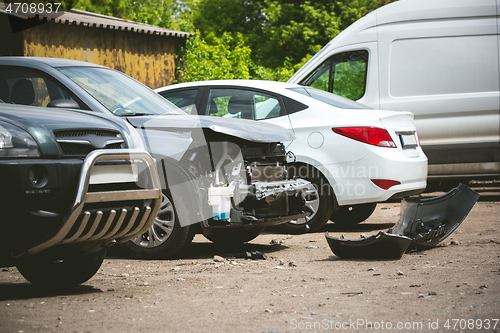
x,y
318,203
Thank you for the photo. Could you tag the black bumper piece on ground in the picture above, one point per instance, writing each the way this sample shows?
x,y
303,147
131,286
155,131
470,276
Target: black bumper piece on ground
x,y
379,246
423,224
429,221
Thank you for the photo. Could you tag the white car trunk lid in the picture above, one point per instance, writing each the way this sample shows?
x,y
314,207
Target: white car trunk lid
x,y
402,130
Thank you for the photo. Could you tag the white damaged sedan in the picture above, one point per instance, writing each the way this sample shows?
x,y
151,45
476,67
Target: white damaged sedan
x,y
355,156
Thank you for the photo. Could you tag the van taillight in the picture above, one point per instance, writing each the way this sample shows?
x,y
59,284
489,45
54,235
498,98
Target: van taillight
x,y
371,135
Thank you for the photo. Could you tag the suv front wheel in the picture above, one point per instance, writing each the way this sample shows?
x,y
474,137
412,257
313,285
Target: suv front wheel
x,y
61,273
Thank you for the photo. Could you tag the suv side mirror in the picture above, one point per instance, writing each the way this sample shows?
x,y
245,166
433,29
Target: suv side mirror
x,y
63,103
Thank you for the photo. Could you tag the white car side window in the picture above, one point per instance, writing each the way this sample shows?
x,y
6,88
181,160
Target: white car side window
x,y
240,103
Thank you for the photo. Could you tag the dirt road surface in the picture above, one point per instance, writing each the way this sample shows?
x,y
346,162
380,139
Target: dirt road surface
x,y
302,286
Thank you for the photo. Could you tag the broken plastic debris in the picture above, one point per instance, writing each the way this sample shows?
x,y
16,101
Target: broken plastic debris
x,y
379,246
251,255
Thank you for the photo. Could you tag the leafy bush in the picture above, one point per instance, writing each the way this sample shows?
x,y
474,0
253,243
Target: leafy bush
x,y
223,58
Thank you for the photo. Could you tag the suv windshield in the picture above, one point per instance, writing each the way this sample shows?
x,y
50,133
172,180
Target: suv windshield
x,y
329,98
119,93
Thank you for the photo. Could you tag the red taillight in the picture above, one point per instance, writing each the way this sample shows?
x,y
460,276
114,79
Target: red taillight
x,y
418,139
385,183
371,135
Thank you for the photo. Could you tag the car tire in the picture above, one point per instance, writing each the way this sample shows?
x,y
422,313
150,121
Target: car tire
x,y
233,236
353,214
69,272
166,238
319,201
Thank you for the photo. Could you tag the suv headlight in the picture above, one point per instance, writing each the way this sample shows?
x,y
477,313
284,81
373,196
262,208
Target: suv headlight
x,y
15,142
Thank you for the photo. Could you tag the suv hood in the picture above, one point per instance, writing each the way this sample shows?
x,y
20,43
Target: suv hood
x,y
241,128
52,119
40,122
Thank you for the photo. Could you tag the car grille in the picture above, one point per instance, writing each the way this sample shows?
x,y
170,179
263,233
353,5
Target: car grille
x,y
70,149
76,133
82,142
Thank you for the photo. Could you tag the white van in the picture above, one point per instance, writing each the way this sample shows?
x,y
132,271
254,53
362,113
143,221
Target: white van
x,y
436,58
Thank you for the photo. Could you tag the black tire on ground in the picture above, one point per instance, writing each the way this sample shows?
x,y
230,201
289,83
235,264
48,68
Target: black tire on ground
x,y
319,202
233,236
353,214
61,273
166,238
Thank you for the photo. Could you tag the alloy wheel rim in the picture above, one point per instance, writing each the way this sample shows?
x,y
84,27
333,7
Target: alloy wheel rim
x,y
162,227
311,197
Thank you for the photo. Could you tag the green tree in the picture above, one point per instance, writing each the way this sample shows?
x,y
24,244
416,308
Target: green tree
x,y
280,30
154,12
150,12
223,58
116,8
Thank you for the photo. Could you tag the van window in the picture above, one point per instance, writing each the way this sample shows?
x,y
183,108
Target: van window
x,y
445,65
343,74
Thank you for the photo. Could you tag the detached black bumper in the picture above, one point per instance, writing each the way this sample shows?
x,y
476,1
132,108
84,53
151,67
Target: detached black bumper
x,y
423,224
429,221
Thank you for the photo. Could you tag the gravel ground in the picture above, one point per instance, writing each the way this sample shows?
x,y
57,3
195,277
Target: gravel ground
x,y
301,286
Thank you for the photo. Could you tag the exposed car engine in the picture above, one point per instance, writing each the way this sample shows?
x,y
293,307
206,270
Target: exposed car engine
x,y
244,182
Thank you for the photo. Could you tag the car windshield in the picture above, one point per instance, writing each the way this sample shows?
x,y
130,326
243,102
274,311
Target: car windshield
x,y
119,93
329,98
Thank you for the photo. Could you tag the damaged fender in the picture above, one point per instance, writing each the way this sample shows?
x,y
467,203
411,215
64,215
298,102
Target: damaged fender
x,y
423,224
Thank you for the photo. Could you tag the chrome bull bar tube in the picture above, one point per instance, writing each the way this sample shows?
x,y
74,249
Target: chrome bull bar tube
x,y
124,225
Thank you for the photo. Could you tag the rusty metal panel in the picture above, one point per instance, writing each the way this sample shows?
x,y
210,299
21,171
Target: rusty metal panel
x,y
150,59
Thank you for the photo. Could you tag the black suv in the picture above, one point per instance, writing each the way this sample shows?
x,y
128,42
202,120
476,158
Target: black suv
x,y
70,186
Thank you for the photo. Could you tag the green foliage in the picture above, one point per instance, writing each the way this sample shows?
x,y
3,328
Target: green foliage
x,y
182,15
115,8
292,28
149,12
280,30
232,16
223,58
154,12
